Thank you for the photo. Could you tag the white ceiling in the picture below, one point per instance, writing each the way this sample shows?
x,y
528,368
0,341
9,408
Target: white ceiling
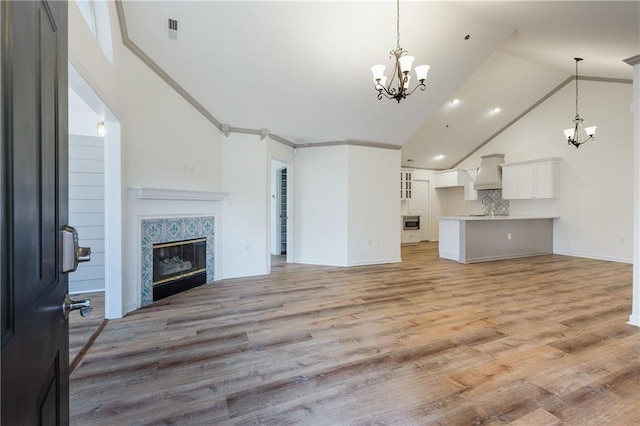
x,y
301,69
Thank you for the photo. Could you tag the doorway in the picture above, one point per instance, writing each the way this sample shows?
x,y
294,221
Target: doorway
x,y
281,211
280,235
108,209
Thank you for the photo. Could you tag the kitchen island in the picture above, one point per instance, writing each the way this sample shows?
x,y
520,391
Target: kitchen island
x,y
470,239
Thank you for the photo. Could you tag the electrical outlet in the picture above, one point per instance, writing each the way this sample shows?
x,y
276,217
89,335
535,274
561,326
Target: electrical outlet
x,y
509,236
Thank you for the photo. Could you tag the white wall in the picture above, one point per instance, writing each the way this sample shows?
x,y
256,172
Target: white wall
x,y
320,206
373,207
86,197
245,172
596,196
346,206
87,208
165,141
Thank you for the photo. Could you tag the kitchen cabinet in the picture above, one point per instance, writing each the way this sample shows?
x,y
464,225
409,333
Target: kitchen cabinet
x,y
406,184
410,237
450,178
470,194
418,205
531,179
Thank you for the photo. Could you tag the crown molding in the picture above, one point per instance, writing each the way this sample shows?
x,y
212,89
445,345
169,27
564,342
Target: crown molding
x,y
538,102
153,66
350,143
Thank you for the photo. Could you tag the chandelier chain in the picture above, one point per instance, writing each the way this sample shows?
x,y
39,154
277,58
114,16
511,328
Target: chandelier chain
x,y
398,22
577,115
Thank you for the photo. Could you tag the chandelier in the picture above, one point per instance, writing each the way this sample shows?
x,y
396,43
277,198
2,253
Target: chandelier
x,y
398,86
572,134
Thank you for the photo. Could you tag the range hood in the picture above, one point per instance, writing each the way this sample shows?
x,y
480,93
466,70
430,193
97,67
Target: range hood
x,y
489,174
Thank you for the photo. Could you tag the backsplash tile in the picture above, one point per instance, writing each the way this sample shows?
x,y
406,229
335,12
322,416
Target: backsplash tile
x,y
500,206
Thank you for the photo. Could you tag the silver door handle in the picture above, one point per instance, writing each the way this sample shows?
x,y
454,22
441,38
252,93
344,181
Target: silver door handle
x,y
72,305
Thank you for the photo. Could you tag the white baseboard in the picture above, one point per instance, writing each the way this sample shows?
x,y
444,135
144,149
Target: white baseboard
x,y
97,290
597,257
375,262
634,320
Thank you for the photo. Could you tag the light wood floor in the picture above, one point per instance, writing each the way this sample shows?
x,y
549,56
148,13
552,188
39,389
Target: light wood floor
x,y
536,341
81,329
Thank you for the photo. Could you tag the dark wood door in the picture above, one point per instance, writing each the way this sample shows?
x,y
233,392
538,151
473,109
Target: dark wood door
x,y
35,339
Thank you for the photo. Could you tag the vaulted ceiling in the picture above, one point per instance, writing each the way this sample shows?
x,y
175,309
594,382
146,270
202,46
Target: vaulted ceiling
x,y
302,69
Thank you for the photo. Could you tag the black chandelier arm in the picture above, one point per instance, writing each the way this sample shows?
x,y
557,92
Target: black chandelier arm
x,y
399,94
422,87
382,91
391,92
576,143
574,140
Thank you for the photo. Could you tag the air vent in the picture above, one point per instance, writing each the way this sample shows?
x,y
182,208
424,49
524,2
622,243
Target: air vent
x,y
173,29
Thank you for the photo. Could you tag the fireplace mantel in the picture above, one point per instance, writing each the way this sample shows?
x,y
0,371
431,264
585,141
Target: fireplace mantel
x,y
150,193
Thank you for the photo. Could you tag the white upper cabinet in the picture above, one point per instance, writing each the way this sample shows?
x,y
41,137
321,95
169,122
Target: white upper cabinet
x,y
406,184
419,203
531,179
451,178
509,182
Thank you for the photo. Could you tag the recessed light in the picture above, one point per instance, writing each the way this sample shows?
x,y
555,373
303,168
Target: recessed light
x,y
438,157
495,110
455,101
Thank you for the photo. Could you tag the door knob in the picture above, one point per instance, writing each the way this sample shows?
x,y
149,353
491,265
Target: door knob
x,y
72,305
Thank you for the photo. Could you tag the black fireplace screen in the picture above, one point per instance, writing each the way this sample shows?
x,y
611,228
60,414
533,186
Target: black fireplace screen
x,y
179,259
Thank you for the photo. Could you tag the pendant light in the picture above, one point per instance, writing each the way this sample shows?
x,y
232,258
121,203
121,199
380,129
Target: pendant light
x,y
572,134
398,86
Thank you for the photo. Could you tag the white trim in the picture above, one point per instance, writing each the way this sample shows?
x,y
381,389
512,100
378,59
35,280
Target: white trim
x,y
634,318
595,257
149,193
375,262
113,221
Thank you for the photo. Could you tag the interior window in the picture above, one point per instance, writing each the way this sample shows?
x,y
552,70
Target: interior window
x,y
86,8
96,14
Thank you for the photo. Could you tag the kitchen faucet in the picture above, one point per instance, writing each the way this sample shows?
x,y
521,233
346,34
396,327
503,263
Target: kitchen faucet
x,y
488,201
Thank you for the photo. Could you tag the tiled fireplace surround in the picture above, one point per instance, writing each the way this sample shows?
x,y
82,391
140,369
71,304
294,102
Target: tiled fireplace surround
x,y
165,230
164,215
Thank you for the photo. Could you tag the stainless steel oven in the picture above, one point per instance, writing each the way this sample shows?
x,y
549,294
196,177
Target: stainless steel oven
x,y
410,223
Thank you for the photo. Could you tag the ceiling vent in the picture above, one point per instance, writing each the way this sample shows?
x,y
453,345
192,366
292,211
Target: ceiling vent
x,y
173,29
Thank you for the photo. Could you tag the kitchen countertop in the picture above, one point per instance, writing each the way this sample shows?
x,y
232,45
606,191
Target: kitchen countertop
x,y
496,217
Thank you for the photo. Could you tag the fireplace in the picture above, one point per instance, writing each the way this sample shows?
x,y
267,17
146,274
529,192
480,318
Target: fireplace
x,y
177,255
178,266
